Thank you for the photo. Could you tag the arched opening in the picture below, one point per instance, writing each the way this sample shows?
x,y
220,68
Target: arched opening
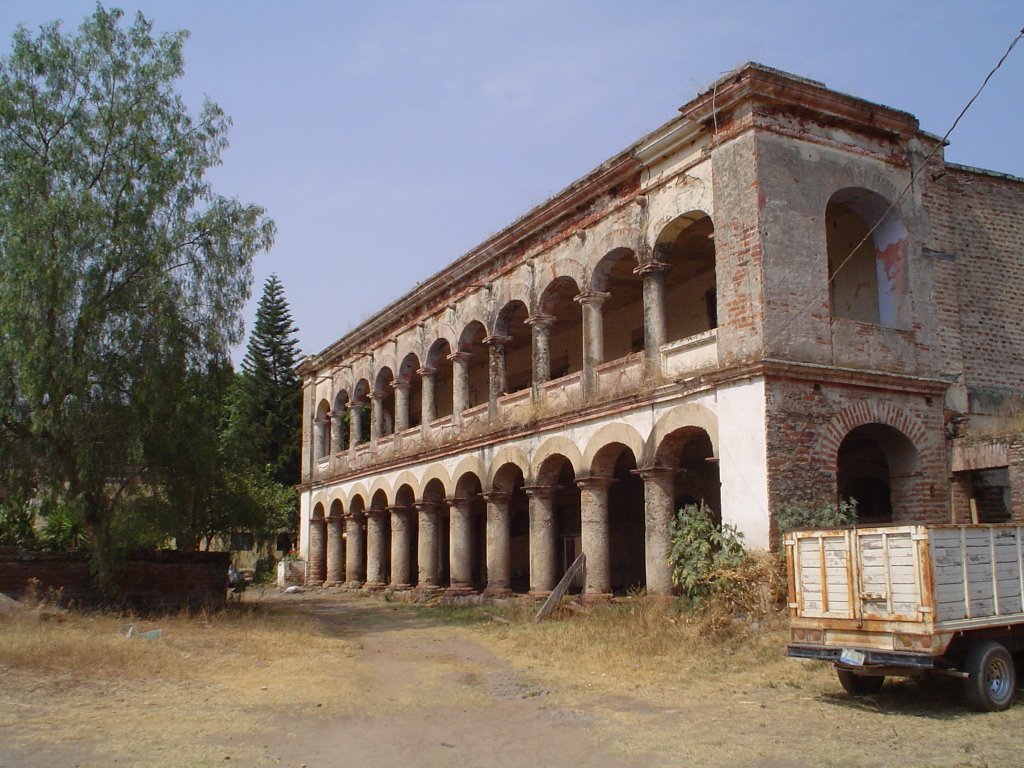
x,y
875,468
565,345
405,498
689,451
317,545
361,404
357,568
408,372
336,543
557,470
867,272
437,359
626,526
468,487
322,430
434,493
623,310
386,393
512,326
379,510
340,423
687,246
509,479
477,365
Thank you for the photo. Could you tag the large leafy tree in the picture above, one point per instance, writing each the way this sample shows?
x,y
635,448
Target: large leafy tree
x,y
120,268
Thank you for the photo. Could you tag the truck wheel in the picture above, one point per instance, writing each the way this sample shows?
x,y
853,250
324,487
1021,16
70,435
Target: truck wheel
x,y
859,685
992,685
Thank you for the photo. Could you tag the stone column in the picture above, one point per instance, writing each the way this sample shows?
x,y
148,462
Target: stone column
x,y
461,545
499,542
337,430
497,377
427,404
355,424
376,416
593,337
401,405
335,551
460,384
355,550
375,542
653,273
427,552
543,551
400,548
541,325
659,494
320,427
317,552
594,532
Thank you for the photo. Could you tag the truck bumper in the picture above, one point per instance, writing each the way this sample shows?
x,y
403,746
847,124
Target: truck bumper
x,y
873,658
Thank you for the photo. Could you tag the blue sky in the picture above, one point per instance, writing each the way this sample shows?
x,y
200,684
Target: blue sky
x,y
388,138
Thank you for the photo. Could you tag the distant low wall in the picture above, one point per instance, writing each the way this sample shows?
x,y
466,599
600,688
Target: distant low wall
x,y
150,581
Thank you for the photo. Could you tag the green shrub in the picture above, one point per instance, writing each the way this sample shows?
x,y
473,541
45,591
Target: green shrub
x,y
701,551
805,514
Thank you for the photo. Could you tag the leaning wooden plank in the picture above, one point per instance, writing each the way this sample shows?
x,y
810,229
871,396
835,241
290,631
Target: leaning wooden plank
x,y
558,591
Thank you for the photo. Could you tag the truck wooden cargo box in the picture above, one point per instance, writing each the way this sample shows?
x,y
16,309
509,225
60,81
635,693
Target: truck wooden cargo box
x,y
911,600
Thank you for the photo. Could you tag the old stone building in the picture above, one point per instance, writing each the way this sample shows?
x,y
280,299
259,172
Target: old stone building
x,y
784,293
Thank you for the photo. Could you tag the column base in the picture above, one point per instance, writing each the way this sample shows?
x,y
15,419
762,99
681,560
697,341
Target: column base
x,y
596,598
400,587
332,583
497,591
375,586
539,594
314,582
459,590
352,585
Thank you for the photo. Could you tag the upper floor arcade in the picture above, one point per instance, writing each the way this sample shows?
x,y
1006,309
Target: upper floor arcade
x,y
773,225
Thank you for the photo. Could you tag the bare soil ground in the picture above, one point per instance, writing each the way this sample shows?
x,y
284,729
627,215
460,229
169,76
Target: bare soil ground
x,y
328,680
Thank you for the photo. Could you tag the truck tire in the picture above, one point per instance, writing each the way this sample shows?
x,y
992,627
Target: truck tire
x,y
992,682
859,685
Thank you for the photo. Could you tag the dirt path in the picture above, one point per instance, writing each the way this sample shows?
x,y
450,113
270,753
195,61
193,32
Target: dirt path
x,y
433,697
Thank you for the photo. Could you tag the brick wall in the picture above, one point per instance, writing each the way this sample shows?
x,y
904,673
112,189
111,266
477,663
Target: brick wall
x,y
807,421
978,218
150,581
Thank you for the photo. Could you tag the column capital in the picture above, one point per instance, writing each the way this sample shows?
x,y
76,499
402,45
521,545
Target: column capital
x,y
321,421
398,508
654,473
459,501
356,405
460,356
353,515
653,267
497,340
497,497
400,384
591,298
595,482
428,506
426,371
338,413
540,491
540,321
378,394
374,511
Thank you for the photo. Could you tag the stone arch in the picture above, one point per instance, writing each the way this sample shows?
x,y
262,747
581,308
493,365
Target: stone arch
x,y
876,467
620,289
469,464
318,511
558,305
386,393
408,477
510,326
471,343
508,454
564,266
337,508
337,497
435,471
437,359
686,415
409,374
379,499
686,248
867,411
434,489
405,496
380,485
556,445
322,430
609,434
384,358
357,490
357,504
868,270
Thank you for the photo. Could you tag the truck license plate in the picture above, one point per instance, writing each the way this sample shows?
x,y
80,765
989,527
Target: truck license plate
x,y
852,657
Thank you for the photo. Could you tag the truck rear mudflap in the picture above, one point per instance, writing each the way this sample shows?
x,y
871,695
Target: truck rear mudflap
x,y
867,657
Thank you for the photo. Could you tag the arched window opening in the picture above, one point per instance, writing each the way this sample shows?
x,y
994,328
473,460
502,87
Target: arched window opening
x,y
340,423
557,470
867,272
509,479
477,365
687,246
322,430
875,469
518,347
437,359
566,334
409,373
386,396
623,309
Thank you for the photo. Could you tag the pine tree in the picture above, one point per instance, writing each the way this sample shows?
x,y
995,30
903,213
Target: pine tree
x,y
268,406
